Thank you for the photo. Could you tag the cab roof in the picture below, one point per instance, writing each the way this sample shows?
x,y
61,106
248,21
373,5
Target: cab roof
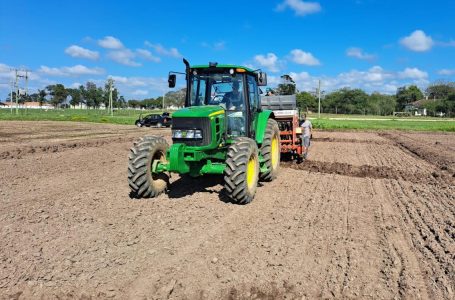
x,y
218,66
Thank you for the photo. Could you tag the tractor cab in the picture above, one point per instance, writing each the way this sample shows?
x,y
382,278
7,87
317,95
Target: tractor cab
x,y
232,88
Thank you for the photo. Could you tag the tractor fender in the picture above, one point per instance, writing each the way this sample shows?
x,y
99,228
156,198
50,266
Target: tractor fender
x,y
261,124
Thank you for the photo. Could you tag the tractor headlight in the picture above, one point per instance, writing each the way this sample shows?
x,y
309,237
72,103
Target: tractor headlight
x,y
187,134
177,134
198,134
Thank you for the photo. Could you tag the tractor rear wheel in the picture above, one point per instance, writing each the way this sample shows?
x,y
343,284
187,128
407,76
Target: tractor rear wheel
x,y
270,150
242,171
142,181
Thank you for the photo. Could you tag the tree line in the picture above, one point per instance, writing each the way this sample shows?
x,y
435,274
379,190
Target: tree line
x,y
59,96
437,98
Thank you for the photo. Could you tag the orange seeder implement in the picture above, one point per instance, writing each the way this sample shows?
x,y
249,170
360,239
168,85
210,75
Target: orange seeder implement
x,y
287,116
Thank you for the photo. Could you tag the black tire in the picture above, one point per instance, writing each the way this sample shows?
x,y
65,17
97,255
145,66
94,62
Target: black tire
x,y
268,151
142,182
242,161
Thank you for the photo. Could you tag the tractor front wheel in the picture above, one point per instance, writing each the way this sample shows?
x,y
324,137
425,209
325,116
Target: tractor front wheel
x,y
270,150
242,171
143,155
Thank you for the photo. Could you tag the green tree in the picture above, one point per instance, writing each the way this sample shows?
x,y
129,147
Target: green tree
x,y
440,90
346,101
42,97
406,95
58,93
75,97
307,102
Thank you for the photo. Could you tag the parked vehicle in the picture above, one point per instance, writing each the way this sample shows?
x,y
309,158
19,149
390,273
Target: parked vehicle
x,y
154,120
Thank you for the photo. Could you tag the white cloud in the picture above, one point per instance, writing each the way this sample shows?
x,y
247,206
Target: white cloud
x,y
76,51
172,52
301,8
270,61
418,41
147,55
76,85
413,73
215,46
304,58
129,81
110,42
6,71
450,43
446,72
358,53
139,92
75,71
300,76
124,57
370,80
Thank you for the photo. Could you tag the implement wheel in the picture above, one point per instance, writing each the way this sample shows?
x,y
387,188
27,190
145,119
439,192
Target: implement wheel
x,y
270,150
242,171
145,152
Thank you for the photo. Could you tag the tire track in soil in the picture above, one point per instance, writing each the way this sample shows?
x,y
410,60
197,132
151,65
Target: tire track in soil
x,y
443,161
431,236
367,171
60,147
348,140
401,266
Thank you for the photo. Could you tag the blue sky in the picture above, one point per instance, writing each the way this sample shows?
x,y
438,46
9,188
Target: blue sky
x,y
370,44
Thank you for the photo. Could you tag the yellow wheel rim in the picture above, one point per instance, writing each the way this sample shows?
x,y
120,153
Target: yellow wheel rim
x,y
274,152
251,172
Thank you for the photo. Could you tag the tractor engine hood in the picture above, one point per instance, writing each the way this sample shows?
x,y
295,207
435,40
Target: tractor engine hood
x,y
206,111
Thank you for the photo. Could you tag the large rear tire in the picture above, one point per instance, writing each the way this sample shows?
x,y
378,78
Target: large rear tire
x,y
143,183
242,171
270,150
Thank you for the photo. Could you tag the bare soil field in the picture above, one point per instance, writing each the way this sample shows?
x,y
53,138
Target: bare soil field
x,y
370,215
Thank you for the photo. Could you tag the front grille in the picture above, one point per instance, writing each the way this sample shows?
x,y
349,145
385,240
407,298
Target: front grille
x,y
193,123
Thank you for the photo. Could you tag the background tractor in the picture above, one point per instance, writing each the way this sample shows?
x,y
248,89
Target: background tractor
x,y
222,130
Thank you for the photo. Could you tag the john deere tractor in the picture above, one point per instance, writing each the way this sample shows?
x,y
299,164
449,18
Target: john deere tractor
x,y
222,130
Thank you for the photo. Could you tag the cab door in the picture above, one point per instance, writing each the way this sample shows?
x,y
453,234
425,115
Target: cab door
x,y
253,109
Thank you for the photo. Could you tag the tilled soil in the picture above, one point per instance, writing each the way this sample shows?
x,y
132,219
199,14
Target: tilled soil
x,y
368,215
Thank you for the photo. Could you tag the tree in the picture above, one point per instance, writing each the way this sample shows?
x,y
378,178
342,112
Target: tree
x,y
42,97
406,95
307,101
346,101
75,97
58,93
440,90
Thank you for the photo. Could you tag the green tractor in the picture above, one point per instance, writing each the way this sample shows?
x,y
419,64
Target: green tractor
x,y
222,130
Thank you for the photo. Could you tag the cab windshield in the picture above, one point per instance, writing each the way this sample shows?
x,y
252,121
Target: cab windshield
x,y
225,90
216,89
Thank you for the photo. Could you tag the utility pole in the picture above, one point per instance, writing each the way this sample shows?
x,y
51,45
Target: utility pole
x,y
111,81
164,93
319,99
11,97
16,86
17,92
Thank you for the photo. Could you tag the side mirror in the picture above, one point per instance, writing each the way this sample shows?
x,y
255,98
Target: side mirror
x,y
262,79
171,80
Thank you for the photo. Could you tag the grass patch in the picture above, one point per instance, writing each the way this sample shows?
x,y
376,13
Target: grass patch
x,y
327,121
126,117
386,124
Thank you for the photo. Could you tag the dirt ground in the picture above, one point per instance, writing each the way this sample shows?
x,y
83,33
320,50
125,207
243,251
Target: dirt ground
x,y
369,216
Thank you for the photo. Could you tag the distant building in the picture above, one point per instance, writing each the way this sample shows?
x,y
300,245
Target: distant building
x,y
416,108
28,105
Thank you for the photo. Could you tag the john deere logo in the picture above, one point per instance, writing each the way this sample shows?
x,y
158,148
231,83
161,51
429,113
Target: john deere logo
x,y
184,134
